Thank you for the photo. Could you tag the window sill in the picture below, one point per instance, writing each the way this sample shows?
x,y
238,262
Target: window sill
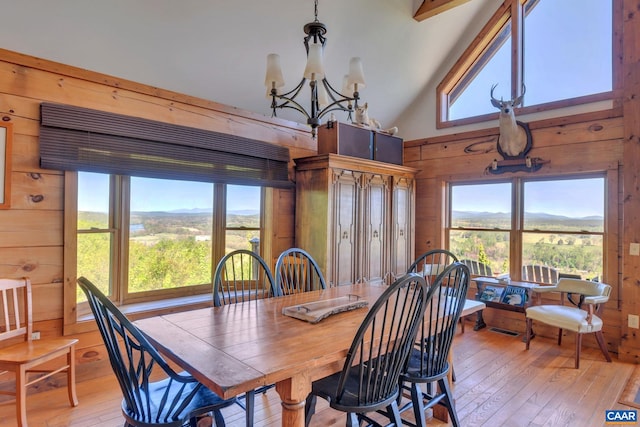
x,y
86,323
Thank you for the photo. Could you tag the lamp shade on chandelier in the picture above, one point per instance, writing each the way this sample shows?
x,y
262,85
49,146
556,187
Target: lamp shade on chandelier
x,y
324,97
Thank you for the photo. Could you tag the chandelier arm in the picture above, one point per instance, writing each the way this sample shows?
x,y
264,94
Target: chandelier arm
x,y
295,91
337,108
289,98
331,91
334,106
289,103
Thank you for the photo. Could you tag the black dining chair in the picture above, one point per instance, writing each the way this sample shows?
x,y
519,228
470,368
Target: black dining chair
x,y
429,360
240,276
296,272
431,263
154,394
368,381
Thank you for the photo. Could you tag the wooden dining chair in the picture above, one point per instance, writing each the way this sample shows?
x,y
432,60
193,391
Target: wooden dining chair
x,y
477,268
296,271
24,357
429,361
368,381
539,274
154,394
240,276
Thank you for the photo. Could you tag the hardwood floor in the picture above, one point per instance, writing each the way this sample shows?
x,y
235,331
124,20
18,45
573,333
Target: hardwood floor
x,y
498,384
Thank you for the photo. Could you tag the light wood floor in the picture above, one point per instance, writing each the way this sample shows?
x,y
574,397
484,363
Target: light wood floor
x,y
498,384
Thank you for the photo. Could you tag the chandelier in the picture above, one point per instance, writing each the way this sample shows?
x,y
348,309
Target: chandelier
x,y
324,98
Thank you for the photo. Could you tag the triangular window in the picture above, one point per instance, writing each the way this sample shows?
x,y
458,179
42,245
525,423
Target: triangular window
x,y
560,52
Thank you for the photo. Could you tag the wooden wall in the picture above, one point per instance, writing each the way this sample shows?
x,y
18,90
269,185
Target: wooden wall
x,y
586,143
31,231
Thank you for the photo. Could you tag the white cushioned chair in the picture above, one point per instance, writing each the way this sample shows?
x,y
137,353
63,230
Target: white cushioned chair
x,y
586,299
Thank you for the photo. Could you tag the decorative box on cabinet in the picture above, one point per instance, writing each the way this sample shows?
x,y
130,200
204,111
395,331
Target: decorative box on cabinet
x,y
355,217
357,141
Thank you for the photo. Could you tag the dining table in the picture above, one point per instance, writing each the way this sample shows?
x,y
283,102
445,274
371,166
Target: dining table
x,y
239,347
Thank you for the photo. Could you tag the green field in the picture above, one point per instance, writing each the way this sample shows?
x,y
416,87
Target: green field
x,y
166,250
569,253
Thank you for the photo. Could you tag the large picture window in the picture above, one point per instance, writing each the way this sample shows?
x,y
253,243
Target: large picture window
x,y
558,223
143,239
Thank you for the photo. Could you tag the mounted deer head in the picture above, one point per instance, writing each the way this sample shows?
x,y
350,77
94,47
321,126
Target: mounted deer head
x,y
513,139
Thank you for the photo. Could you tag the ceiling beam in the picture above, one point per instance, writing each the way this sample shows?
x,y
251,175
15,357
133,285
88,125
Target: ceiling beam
x,y
430,8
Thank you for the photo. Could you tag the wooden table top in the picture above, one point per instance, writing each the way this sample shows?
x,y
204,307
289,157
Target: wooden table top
x,y
238,347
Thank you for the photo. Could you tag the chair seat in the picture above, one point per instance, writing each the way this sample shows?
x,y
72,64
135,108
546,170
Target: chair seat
x,y
326,388
177,392
471,306
565,317
431,368
31,351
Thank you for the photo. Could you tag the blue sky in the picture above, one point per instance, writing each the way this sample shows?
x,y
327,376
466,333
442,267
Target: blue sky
x,y
572,198
161,195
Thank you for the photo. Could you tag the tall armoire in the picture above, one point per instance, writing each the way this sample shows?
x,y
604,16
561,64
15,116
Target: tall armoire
x,y
355,217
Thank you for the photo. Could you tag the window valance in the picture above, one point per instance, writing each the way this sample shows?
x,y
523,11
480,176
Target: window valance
x,y
76,138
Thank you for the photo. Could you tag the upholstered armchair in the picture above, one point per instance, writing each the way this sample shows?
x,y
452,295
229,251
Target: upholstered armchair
x,y
581,314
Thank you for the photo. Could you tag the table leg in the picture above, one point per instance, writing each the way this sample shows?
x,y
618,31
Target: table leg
x,y
293,394
479,322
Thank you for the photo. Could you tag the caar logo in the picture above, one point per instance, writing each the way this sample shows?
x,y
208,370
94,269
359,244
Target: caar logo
x,y
628,416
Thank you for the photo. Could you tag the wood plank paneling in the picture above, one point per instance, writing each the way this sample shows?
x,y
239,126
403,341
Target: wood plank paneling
x,y
630,346
43,264
24,228
35,190
45,86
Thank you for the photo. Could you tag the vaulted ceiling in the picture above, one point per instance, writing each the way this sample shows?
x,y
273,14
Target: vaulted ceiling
x,y
216,49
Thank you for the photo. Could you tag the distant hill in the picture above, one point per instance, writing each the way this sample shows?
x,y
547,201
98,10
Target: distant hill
x,y
530,215
203,210
534,220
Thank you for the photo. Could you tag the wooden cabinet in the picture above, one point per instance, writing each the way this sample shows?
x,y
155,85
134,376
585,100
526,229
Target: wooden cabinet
x,y
355,217
357,141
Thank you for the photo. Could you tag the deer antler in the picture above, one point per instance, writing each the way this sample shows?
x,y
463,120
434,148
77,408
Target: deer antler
x,y
518,100
494,101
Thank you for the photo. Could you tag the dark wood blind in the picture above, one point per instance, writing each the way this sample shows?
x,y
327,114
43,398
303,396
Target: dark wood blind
x,y
75,138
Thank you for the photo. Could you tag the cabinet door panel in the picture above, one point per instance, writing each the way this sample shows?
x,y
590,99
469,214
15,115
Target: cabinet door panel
x,y
402,227
375,214
345,193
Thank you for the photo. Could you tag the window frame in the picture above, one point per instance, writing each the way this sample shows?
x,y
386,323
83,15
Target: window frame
x,y
512,11
77,315
609,233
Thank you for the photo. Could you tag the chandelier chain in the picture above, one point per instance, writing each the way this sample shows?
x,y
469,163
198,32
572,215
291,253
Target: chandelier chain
x,y
316,10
